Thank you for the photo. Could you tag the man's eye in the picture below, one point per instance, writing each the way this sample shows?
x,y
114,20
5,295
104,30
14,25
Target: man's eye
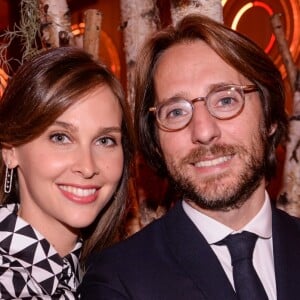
x,y
227,102
177,112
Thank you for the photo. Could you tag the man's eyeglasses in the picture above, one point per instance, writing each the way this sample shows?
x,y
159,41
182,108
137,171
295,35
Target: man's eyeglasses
x,y
223,102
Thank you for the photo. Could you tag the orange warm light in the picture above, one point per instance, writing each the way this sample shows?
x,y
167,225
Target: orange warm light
x,y
78,29
239,14
223,2
3,81
290,11
245,8
107,43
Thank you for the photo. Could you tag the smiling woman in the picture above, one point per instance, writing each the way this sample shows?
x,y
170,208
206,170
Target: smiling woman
x,y
66,142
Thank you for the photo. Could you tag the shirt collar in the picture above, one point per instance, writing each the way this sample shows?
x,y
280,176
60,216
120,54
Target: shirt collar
x,y
214,231
19,240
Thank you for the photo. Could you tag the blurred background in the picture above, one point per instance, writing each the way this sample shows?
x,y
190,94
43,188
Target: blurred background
x,y
252,18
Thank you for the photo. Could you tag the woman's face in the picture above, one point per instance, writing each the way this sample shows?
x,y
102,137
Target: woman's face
x,y
69,173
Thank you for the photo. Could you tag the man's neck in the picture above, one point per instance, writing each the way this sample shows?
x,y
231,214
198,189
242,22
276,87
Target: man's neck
x,y
237,218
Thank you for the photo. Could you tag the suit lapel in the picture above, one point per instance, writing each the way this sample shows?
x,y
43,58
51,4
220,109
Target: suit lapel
x,y
195,256
286,245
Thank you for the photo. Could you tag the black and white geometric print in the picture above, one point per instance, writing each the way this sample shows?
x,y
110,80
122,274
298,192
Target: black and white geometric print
x,y
30,268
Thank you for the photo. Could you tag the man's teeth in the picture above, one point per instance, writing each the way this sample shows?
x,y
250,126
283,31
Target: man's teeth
x,y
78,191
213,162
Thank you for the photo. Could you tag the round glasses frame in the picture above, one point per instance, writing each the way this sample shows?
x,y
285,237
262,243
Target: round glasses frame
x,y
228,90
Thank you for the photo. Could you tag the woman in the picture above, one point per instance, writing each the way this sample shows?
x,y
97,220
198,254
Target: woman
x,y
66,142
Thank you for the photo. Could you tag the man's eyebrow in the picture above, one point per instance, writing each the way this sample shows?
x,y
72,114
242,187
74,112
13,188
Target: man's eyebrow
x,y
221,84
184,94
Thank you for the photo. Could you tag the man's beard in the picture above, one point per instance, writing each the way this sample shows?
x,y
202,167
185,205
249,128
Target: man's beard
x,y
210,192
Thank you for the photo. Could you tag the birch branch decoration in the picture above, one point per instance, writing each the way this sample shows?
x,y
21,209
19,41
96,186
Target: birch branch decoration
x,y
211,8
289,198
55,23
284,49
91,37
139,20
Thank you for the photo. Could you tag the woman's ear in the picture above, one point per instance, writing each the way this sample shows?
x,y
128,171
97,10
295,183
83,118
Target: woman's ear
x,y
272,129
9,156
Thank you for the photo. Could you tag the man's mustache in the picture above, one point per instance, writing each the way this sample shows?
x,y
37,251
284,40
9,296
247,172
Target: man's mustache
x,y
203,152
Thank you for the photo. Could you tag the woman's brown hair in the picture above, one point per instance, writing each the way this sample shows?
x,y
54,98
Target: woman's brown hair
x,y
40,91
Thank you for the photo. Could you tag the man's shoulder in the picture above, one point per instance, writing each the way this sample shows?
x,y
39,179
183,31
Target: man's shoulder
x,y
285,219
141,244
143,237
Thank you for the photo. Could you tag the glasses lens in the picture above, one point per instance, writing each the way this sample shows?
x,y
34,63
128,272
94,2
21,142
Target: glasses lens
x,y
226,103
175,114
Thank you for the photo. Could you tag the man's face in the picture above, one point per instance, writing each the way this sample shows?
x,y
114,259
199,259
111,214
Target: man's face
x,y
217,164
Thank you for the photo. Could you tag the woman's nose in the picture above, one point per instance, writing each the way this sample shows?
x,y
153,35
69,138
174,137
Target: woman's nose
x,y
85,164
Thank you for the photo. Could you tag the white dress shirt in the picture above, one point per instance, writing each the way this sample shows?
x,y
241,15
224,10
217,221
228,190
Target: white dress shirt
x,y
261,224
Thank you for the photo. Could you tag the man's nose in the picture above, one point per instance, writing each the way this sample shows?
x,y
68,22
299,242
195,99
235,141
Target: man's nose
x,y
204,127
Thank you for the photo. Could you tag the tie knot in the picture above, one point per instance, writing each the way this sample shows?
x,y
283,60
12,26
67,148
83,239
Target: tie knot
x,y
246,281
240,245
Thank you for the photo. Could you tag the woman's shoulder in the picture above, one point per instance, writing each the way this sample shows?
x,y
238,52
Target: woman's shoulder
x,y
29,265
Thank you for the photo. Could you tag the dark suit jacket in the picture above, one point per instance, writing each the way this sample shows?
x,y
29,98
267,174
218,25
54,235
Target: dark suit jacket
x,y
170,259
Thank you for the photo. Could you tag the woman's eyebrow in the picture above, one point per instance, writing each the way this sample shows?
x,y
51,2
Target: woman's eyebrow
x,y
66,125
102,130
116,129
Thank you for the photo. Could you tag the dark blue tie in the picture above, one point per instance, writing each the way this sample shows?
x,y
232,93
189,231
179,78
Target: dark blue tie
x,y
246,282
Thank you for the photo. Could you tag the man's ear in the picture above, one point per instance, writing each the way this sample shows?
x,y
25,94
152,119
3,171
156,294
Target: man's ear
x,y
9,156
272,129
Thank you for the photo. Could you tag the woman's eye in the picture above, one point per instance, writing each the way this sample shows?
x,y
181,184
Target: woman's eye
x,y
60,138
106,141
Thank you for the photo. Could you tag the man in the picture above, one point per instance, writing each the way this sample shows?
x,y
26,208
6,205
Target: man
x,y
209,112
